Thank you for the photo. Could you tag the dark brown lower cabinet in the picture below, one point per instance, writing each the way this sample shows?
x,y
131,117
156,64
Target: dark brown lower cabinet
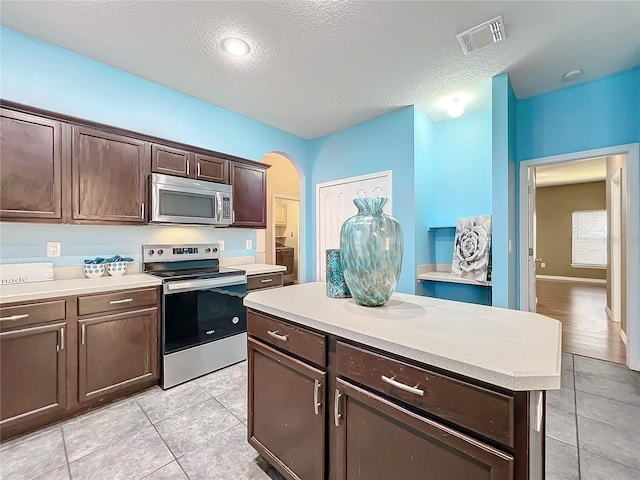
x,y
117,351
378,440
287,412
33,372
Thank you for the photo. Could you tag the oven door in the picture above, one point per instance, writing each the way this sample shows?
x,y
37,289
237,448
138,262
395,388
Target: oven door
x,y
196,317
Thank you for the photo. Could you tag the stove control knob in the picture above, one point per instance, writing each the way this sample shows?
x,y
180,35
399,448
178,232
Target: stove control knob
x,y
150,252
208,250
235,320
215,250
160,252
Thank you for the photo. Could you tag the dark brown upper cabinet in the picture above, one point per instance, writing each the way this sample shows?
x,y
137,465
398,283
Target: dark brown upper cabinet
x,y
181,163
249,195
31,164
109,175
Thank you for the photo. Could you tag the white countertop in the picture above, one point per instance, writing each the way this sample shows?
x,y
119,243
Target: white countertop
x,y
508,348
77,286
258,268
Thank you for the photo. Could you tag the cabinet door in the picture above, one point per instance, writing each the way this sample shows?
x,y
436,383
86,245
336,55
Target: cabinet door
x,y
171,161
31,164
249,195
212,169
109,176
286,412
33,372
116,351
378,440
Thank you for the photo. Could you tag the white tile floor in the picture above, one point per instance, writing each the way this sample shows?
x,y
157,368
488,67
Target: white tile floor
x,y
197,431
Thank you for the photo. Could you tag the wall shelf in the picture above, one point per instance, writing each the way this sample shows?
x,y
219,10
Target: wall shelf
x,y
440,273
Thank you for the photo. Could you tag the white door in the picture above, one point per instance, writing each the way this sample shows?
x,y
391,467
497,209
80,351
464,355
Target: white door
x,y
616,256
334,204
531,261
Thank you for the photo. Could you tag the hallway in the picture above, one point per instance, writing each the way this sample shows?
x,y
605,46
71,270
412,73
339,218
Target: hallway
x,y
580,307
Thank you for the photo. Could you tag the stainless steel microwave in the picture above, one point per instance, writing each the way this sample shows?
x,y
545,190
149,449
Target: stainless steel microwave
x,y
187,201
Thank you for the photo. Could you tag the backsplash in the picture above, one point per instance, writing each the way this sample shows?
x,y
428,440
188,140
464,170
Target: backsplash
x,y
23,243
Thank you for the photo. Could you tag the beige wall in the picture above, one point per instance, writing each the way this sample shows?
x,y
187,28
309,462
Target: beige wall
x,y
613,164
291,231
554,206
282,179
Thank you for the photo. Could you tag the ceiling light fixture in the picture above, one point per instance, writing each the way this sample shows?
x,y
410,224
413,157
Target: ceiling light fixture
x,y
571,75
455,108
236,47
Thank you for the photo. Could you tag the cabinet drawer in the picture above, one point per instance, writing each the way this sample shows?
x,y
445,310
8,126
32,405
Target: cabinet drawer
x,y
267,280
447,398
114,301
30,313
293,339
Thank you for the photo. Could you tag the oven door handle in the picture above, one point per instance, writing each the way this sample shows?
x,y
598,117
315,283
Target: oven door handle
x,y
203,284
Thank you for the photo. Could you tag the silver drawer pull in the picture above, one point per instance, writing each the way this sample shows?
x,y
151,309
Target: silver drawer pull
x,y
14,317
316,388
124,300
83,334
336,408
277,336
391,381
266,280
61,338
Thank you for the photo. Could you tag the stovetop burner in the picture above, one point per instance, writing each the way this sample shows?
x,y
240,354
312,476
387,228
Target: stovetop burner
x,y
195,273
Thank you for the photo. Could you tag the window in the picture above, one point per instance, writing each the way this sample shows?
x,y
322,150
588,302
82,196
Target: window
x,y
589,239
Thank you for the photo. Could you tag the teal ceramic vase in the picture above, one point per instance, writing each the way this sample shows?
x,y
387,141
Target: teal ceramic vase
x,y
371,246
336,286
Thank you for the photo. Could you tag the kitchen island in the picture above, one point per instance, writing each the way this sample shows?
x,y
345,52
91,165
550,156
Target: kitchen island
x,y
417,388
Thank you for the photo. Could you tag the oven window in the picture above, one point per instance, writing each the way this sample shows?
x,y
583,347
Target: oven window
x,y
186,205
194,318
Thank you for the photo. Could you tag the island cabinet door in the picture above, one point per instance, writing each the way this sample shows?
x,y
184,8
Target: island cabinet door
x,y
287,412
117,351
33,372
379,440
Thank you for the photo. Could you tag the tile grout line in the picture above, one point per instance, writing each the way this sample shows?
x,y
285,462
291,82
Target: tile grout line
x,y
66,454
575,413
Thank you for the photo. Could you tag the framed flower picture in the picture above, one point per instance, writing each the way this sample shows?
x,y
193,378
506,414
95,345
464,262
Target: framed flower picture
x,y
471,247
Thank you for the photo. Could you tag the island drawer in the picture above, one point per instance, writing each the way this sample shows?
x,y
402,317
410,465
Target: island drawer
x,y
30,313
114,301
265,280
293,339
486,412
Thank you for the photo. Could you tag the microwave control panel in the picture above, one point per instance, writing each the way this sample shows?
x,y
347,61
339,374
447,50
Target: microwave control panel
x,y
226,208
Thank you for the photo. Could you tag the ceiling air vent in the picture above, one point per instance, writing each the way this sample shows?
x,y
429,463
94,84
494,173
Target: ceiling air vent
x,y
481,36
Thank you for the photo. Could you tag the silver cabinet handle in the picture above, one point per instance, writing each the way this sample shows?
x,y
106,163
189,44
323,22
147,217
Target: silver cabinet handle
x,y
187,168
83,334
61,338
316,388
198,170
124,300
14,317
142,211
336,408
266,280
277,336
391,381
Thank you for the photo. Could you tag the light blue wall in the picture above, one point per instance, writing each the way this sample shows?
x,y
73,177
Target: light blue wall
x,y
459,175
43,75
384,143
597,114
504,220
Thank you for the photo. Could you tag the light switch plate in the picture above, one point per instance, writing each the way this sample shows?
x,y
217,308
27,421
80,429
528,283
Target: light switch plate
x,y
221,245
249,244
53,249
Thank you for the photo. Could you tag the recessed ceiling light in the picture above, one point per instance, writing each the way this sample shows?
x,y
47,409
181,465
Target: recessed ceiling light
x,y
455,108
571,75
236,47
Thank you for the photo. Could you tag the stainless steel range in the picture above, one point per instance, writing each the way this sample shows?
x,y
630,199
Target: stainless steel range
x,y
204,323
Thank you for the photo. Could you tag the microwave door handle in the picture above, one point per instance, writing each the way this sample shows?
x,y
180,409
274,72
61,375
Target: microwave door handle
x,y
218,208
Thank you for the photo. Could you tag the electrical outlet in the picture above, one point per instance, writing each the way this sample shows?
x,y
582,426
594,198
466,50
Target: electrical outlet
x,y
543,265
221,245
53,249
249,244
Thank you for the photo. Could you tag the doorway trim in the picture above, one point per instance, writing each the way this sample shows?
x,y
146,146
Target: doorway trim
x,y
632,238
280,196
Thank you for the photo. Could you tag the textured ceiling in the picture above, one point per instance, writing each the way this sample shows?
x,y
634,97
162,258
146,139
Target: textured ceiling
x,y
319,66
590,170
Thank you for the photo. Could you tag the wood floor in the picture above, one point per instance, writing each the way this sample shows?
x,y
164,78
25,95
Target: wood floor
x,y
580,307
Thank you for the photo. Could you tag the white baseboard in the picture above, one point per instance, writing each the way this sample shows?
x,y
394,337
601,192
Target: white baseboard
x,y
557,278
609,313
623,336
